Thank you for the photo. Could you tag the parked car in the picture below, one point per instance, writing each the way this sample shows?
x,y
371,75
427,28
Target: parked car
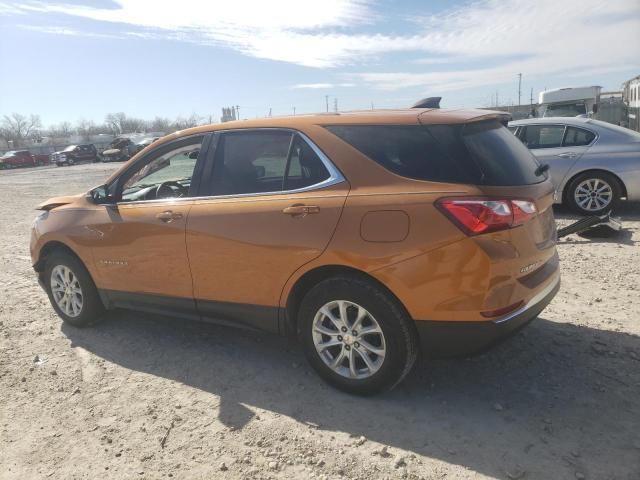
x,y
370,236
592,164
120,150
22,158
75,154
144,143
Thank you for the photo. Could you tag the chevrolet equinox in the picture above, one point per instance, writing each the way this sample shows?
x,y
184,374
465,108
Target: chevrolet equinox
x,y
370,236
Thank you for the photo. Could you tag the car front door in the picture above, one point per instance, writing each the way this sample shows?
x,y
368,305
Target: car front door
x,y
275,200
139,248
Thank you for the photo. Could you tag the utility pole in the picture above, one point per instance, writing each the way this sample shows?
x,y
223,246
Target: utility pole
x,y
372,106
326,101
532,96
238,111
497,101
335,104
269,111
519,87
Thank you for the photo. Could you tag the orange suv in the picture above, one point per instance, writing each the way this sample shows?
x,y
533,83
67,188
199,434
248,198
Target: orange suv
x,y
368,235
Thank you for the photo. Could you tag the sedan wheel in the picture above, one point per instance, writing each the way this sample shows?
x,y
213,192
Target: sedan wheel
x,y
593,195
348,339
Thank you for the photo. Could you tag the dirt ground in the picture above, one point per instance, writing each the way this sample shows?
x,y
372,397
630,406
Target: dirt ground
x,y
142,397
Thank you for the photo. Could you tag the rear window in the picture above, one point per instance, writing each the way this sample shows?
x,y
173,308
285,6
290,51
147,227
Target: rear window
x,y
480,153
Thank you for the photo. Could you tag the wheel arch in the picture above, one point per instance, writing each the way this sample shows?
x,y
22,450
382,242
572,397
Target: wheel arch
x,y
565,187
316,275
50,247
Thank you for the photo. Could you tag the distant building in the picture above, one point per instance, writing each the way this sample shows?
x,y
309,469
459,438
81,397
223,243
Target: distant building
x,y
631,98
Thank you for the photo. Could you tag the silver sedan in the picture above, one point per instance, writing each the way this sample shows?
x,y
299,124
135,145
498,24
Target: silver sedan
x,y
593,165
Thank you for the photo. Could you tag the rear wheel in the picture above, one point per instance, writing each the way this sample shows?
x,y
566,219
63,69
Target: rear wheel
x,y
356,335
594,193
71,290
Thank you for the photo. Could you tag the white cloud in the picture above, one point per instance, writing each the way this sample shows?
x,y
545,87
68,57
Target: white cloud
x,y
286,30
571,37
319,86
69,32
535,38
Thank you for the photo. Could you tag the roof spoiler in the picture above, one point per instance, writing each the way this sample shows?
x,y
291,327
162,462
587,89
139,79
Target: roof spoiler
x,y
429,102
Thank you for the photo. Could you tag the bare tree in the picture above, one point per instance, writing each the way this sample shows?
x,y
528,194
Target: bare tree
x,y
19,128
182,123
62,130
85,128
114,122
160,124
118,123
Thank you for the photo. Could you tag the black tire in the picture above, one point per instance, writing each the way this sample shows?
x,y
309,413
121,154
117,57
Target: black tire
x,y
70,162
399,334
92,308
592,208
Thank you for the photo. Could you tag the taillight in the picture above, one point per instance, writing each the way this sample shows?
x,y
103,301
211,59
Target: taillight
x,y
475,216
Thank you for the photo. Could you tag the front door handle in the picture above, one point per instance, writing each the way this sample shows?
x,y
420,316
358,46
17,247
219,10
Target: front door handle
x,y
169,216
299,209
567,155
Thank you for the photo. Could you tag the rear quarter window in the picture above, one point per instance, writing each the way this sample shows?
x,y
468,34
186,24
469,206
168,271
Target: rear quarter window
x,y
480,153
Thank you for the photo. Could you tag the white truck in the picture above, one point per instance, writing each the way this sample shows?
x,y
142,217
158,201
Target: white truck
x,y
569,102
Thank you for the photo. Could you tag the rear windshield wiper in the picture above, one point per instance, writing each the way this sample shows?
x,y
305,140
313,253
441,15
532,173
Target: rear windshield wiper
x,y
541,169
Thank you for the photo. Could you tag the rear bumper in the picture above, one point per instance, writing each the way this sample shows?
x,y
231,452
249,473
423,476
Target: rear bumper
x,y
453,339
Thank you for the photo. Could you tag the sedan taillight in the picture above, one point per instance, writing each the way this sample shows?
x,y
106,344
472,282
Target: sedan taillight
x,y
478,215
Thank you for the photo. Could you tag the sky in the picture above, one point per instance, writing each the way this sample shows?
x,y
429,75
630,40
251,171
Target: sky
x,y
67,60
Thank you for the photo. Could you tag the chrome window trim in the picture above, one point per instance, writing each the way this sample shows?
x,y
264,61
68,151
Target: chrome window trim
x,y
565,126
335,176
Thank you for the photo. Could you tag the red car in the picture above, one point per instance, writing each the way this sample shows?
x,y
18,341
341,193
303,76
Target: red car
x,y
22,158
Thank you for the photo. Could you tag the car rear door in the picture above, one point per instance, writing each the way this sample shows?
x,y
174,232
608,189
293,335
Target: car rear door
x,y
275,200
546,142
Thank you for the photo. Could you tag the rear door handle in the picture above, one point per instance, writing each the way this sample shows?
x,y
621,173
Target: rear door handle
x,y
567,155
301,210
169,216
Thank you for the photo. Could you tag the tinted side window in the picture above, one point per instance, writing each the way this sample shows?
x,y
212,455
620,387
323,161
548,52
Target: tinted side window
x,y
250,162
305,167
542,136
480,153
410,151
577,137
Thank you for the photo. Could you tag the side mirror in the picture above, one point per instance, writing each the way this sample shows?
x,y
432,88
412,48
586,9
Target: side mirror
x,y
100,195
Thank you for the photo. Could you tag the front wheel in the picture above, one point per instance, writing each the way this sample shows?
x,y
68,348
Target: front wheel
x,y
356,335
594,193
71,290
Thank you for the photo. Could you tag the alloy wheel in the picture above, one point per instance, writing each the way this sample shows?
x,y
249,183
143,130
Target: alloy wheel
x,y
66,290
593,194
348,339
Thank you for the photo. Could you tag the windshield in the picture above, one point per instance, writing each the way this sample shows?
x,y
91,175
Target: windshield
x,y
9,154
69,148
571,110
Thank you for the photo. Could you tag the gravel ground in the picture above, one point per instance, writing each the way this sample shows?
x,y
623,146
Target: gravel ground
x,y
140,396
